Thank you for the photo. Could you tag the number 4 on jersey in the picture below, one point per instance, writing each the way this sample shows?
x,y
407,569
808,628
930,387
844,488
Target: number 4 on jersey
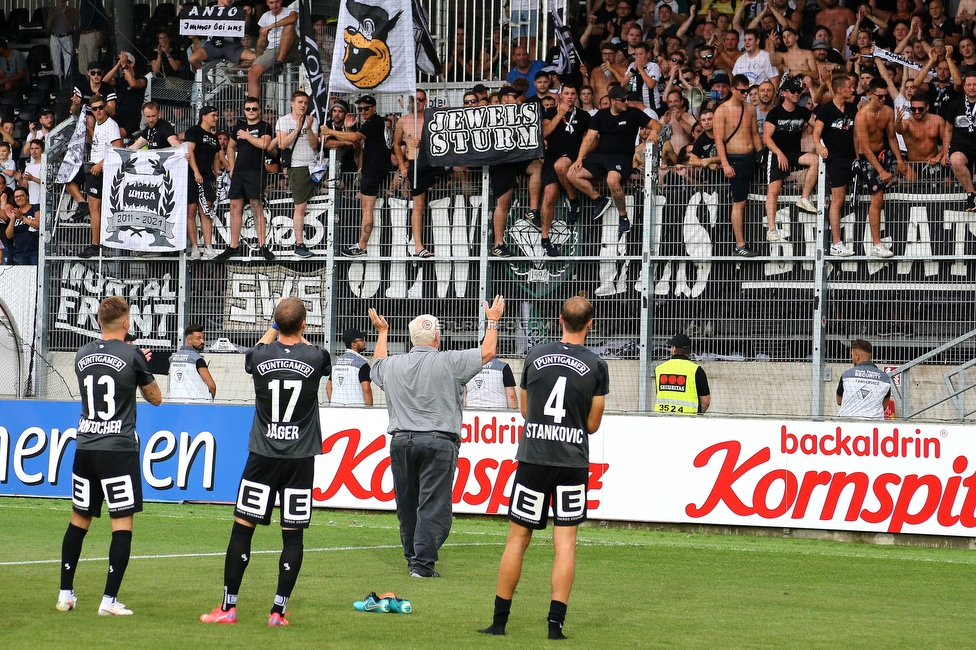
x,y
554,403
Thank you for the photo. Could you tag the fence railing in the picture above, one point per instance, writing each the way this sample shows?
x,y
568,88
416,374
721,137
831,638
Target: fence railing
x,y
794,305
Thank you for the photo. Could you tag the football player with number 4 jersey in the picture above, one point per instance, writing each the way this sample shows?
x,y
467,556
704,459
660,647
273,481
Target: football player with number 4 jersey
x,y
106,465
285,438
564,388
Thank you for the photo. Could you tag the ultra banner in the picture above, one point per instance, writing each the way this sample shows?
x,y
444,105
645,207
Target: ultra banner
x,y
212,21
145,195
885,477
482,135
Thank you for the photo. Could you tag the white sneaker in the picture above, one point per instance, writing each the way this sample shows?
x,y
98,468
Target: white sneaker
x,y
209,253
195,253
772,235
806,205
66,603
841,250
115,608
882,250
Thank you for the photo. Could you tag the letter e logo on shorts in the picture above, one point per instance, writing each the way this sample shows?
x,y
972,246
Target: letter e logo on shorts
x,y
80,492
570,501
527,504
253,498
297,505
118,492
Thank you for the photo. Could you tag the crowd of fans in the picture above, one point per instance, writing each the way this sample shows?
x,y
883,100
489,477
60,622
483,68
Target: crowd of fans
x,y
726,87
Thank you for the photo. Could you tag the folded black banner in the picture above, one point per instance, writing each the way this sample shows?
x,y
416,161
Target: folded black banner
x,y
481,135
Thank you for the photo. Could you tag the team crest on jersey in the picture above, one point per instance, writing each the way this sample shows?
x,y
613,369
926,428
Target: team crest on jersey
x,y
340,380
367,61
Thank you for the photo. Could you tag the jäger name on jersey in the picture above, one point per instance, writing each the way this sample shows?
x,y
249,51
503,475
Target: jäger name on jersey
x,y
282,431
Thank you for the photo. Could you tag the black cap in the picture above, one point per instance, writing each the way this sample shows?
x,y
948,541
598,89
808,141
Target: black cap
x,y
95,65
541,74
207,110
367,99
617,92
792,84
680,341
720,76
508,90
47,111
480,88
351,335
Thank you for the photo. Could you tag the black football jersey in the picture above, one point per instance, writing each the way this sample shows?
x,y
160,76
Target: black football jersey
x,y
286,388
561,380
109,372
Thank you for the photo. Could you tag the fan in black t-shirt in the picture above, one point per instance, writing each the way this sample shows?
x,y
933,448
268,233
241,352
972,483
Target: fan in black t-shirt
x,y
617,128
377,152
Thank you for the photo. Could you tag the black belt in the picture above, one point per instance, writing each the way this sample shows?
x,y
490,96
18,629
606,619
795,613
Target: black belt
x,y
438,434
61,35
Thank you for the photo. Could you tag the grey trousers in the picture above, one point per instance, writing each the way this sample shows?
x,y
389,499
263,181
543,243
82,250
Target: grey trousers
x,y
423,467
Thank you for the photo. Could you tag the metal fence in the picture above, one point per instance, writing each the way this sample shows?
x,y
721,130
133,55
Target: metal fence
x,y
794,305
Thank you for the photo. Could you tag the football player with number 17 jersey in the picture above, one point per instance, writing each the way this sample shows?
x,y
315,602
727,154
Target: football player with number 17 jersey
x,y
564,388
285,438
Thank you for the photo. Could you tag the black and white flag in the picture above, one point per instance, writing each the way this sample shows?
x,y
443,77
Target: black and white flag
x,y
318,91
568,59
145,195
74,155
427,60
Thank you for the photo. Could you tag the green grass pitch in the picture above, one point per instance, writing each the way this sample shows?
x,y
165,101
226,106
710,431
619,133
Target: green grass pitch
x,y
634,589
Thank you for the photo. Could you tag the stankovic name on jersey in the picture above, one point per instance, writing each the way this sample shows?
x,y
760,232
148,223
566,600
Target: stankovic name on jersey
x,y
271,365
562,360
553,432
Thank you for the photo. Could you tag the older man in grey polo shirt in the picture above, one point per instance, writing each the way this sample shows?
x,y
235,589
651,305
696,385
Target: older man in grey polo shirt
x,y
423,398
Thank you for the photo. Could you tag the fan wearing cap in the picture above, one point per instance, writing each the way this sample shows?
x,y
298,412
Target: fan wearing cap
x,y
341,119
104,135
682,387
91,85
349,384
737,141
783,132
607,152
202,146
45,122
372,134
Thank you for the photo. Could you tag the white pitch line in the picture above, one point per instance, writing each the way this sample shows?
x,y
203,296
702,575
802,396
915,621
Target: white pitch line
x,y
222,553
